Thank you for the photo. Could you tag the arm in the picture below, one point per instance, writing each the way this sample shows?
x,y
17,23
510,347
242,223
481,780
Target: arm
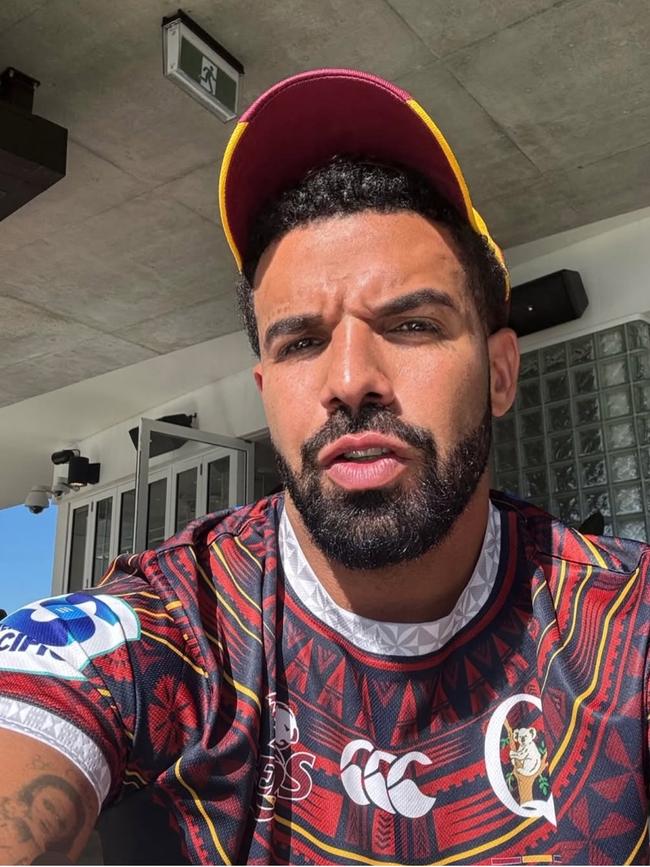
x,y
87,691
46,803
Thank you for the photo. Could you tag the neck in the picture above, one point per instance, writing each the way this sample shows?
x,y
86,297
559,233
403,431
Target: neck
x,y
415,591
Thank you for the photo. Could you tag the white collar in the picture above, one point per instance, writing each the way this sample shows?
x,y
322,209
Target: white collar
x,y
391,639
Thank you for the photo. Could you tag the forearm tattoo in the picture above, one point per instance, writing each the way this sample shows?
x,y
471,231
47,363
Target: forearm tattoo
x,y
46,815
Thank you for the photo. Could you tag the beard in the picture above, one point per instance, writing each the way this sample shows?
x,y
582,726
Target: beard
x,y
382,527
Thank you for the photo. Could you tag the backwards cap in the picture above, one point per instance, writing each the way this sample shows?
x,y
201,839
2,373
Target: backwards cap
x,y
302,122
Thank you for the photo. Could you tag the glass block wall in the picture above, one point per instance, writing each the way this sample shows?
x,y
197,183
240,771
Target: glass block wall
x,y
578,436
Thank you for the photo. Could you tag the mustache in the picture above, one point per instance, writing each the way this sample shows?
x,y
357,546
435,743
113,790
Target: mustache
x,y
370,418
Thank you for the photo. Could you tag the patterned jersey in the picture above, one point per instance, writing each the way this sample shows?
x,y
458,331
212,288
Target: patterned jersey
x,y
225,713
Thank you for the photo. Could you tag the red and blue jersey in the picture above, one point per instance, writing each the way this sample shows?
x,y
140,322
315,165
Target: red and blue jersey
x,y
225,711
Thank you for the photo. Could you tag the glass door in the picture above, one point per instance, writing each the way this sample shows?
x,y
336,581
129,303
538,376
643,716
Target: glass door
x,y
89,541
126,499
218,493
102,538
156,513
77,548
185,499
197,486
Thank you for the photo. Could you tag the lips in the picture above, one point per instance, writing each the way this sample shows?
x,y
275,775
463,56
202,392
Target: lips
x,y
362,448
364,461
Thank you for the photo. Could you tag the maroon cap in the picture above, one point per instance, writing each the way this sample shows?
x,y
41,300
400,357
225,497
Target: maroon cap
x,y
302,122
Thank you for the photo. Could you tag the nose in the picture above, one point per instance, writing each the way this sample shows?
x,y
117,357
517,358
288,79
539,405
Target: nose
x,y
356,372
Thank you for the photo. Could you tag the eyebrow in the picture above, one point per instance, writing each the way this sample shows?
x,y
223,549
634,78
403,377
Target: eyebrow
x,y
411,301
290,325
417,299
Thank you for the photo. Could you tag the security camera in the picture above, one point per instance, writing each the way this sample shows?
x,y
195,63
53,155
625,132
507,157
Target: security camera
x,y
59,488
38,499
64,456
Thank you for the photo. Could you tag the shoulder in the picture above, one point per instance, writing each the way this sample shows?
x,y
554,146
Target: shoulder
x,y
549,541
236,547
253,525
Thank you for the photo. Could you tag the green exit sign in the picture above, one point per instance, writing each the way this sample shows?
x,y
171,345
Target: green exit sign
x,y
200,66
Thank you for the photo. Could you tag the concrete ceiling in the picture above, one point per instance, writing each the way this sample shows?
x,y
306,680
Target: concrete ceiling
x,y
547,105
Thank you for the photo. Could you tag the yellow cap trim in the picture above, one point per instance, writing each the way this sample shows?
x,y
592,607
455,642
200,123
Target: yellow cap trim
x,y
475,219
451,159
498,252
237,133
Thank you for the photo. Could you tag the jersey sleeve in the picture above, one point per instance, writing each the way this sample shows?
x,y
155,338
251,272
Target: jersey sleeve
x,y
644,637
87,674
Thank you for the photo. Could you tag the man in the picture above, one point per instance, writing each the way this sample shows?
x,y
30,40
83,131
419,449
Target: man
x,y
386,664
45,815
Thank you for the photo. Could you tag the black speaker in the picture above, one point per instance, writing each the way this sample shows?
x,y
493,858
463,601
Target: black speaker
x,y
82,472
32,149
550,300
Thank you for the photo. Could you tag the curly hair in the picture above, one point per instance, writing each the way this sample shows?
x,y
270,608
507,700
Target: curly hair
x,y
348,185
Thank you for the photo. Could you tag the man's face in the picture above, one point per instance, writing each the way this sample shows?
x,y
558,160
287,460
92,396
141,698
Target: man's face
x,y
374,374
52,818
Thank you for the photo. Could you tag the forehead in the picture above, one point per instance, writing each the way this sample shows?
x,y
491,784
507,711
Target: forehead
x,y
363,258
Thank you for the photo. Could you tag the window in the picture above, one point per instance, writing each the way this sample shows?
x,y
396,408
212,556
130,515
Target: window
x,y
156,513
101,525
185,511
127,522
578,437
267,477
218,485
78,549
101,555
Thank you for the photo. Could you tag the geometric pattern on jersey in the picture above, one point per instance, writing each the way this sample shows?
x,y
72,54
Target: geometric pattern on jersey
x,y
240,728
384,638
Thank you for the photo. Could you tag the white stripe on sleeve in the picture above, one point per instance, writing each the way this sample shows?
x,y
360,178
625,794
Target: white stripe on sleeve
x,y
75,745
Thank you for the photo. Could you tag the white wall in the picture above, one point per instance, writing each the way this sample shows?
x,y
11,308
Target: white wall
x,y
32,429
230,406
613,258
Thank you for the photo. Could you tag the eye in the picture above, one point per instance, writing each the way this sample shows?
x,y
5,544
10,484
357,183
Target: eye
x,y
416,326
298,346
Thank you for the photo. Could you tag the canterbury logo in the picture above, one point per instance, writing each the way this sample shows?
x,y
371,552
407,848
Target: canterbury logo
x,y
365,783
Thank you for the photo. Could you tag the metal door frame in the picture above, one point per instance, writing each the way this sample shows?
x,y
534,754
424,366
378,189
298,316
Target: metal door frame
x,y
149,426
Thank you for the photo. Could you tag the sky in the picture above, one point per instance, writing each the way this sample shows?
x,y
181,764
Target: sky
x,y
26,555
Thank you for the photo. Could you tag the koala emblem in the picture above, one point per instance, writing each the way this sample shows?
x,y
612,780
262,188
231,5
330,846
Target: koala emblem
x,y
526,758
517,760
286,727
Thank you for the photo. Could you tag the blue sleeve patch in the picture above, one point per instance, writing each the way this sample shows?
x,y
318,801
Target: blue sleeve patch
x,y
60,636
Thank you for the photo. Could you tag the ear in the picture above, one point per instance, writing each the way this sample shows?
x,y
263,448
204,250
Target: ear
x,y
258,376
503,351
533,733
